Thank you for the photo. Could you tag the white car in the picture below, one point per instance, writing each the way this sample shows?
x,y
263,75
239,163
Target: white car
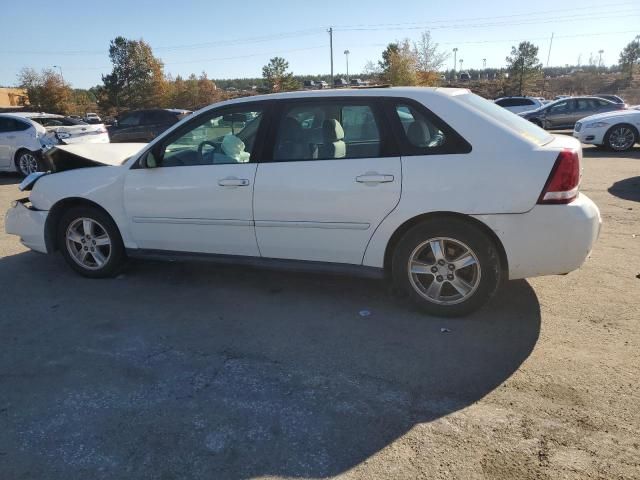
x,y
92,118
520,104
448,205
22,142
617,130
69,130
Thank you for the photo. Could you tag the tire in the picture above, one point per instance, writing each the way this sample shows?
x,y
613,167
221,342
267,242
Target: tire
x,y
613,139
28,162
478,279
76,242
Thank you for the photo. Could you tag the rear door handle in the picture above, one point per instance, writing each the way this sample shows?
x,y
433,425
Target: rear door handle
x,y
233,182
371,178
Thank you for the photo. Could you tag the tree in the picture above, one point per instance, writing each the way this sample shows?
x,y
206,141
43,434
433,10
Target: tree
x,y
137,78
276,77
630,56
428,56
523,66
399,64
46,90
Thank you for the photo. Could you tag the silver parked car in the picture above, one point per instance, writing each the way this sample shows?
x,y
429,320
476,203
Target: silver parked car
x,y
564,113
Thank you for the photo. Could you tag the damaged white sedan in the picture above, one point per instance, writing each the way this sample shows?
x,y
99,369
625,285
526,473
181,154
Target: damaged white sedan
x,y
440,190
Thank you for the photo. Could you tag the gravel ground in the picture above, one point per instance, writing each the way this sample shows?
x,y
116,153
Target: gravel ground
x,y
206,372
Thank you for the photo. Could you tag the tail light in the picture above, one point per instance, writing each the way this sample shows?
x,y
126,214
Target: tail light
x,y
564,179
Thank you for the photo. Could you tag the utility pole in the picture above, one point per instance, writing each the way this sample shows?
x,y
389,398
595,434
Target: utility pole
x,y
550,44
484,67
521,76
331,51
346,54
60,68
600,52
455,55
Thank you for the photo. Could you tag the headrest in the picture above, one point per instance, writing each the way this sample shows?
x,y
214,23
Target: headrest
x,y
418,134
332,131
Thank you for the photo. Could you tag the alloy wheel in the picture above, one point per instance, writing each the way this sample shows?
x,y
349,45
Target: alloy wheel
x,y
621,138
27,163
88,243
444,271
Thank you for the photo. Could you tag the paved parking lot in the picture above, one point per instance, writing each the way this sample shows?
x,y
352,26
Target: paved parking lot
x,y
200,371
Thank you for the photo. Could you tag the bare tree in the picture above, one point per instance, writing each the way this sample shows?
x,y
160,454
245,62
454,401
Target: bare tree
x,y
428,56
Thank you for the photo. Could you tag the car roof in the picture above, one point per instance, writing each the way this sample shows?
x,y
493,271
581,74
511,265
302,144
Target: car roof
x,y
35,115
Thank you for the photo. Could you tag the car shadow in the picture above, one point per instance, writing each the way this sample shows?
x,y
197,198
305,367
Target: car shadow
x,y
202,371
10,179
627,189
593,152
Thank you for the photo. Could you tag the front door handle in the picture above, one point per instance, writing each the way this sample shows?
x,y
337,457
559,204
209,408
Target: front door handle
x,y
233,182
371,178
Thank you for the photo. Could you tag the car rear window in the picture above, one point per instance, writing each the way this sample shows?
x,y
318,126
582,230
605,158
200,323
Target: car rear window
x,y
510,120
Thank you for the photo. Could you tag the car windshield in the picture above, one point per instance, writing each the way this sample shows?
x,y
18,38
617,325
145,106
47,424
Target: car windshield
x,y
510,120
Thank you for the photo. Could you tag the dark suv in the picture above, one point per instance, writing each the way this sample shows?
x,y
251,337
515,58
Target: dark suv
x,y
144,125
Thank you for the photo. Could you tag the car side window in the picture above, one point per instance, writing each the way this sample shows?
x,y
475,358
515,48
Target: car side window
x,y
224,138
12,125
584,104
156,116
602,103
130,119
418,130
559,108
325,131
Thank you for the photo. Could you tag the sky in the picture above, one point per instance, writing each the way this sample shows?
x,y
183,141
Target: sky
x,y
235,39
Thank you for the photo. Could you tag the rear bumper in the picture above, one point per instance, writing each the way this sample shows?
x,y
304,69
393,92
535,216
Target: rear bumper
x,y
28,224
549,239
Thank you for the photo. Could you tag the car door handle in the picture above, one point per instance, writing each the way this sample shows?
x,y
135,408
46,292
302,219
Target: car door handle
x,y
374,178
233,182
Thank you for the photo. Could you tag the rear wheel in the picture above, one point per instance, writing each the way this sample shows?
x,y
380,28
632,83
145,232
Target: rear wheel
x,y
621,138
27,162
90,242
448,267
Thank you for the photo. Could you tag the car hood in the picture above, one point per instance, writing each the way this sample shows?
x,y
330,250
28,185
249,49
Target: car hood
x,y
81,155
630,115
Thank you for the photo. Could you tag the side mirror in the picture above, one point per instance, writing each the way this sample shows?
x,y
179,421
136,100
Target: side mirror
x,y
152,159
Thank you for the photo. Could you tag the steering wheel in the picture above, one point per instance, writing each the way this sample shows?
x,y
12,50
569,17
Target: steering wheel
x,y
201,147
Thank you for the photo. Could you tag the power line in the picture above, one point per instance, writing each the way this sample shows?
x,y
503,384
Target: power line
x,y
494,17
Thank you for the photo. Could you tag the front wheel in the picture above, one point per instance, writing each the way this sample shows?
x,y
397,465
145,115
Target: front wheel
x,y
447,267
28,162
621,138
90,242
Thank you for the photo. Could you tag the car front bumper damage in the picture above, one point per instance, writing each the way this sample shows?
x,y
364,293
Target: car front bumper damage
x,y
28,223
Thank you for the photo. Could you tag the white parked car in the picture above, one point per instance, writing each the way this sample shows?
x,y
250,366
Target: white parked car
x,y
520,104
21,144
92,118
69,130
617,131
448,205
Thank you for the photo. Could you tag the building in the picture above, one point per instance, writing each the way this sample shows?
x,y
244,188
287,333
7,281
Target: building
x,y
13,97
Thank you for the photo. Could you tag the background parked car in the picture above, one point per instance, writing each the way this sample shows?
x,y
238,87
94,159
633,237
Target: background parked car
x,y
618,130
309,84
92,118
144,125
21,143
519,104
340,82
357,82
564,113
70,130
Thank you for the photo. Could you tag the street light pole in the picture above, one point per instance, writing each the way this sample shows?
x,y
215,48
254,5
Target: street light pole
x,y
60,68
600,52
346,54
330,31
455,55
